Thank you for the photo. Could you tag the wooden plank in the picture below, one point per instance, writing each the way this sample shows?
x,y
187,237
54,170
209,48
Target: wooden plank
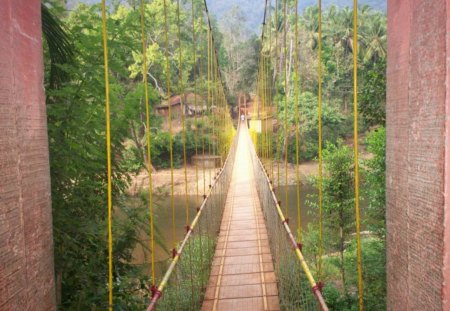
x,y
242,277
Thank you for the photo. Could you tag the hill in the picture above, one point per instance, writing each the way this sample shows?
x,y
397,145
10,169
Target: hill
x,y
254,9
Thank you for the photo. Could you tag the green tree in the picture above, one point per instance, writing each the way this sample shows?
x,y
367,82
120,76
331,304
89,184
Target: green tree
x,y
375,181
372,100
338,203
332,123
76,127
338,199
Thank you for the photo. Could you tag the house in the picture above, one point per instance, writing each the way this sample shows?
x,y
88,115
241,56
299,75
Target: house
x,y
176,107
188,104
195,104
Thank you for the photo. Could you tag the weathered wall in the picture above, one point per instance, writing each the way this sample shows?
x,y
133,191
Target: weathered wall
x,y
417,104
26,245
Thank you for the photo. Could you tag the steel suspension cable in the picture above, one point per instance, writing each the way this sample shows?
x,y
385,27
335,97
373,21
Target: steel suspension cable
x,y
205,113
194,52
297,134
316,287
210,92
213,105
215,97
276,93
264,92
355,149
183,101
264,97
108,156
270,81
200,130
148,134
286,134
319,117
166,44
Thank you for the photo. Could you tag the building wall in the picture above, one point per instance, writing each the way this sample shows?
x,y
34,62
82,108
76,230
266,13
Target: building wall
x,y
26,243
416,111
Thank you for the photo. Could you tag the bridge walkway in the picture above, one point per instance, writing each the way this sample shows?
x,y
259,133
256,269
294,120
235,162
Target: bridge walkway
x,y
242,276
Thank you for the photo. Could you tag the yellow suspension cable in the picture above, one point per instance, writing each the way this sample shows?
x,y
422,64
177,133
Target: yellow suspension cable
x,y
224,122
201,75
216,120
270,79
276,65
319,116
217,111
214,106
264,119
286,134
263,108
194,52
297,134
355,149
147,124
213,102
166,43
260,106
209,113
208,72
108,156
267,110
183,101
261,91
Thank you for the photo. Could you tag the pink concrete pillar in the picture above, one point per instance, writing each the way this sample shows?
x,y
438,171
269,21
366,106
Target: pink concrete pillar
x,y
26,243
418,133
446,259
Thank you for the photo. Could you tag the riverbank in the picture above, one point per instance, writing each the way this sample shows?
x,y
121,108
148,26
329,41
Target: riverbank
x,y
161,179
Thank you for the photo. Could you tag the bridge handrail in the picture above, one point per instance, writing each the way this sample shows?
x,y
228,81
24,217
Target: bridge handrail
x,y
316,288
229,161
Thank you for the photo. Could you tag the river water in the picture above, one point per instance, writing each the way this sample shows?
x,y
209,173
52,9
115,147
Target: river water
x,y
163,222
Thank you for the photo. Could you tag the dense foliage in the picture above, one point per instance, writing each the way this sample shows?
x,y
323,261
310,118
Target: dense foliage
x,y
339,267
339,223
76,127
337,68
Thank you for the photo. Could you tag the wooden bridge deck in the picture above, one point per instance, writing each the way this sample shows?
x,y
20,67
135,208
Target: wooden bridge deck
x,y
242,276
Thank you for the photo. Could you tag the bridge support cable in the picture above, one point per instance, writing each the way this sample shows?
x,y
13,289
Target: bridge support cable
x,y
270,86
169,118
297,126
182,285
183,124
276,68
286,94
208,206
148,149
108,156
200,238
293,273
319,139
355,149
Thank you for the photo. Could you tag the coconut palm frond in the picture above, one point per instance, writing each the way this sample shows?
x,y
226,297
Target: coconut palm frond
x,y
60,48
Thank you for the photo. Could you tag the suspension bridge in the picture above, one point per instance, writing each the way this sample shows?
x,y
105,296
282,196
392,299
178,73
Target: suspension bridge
x,y
239,251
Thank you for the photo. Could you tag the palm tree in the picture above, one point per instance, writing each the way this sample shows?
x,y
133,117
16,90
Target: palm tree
x,y
342,29
60,48
373,38
310,22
